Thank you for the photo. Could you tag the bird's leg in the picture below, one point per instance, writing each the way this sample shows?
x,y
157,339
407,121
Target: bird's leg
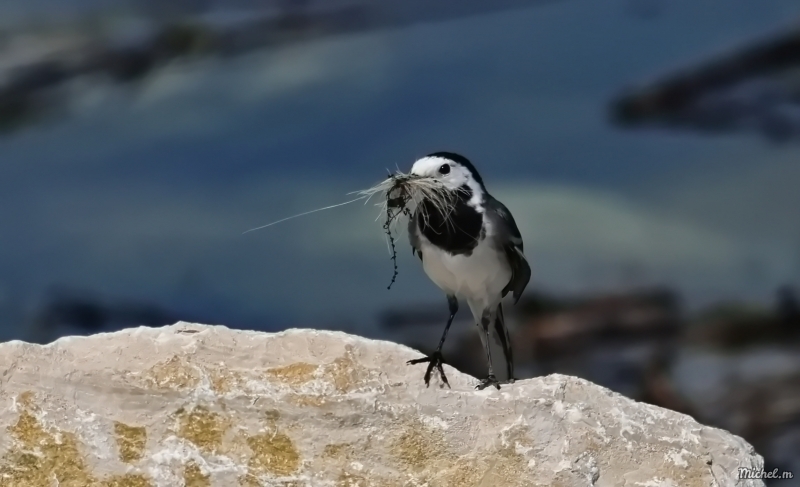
x,y
435,359
502,333
491,379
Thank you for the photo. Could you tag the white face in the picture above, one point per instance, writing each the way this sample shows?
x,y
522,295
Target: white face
x,y
451,174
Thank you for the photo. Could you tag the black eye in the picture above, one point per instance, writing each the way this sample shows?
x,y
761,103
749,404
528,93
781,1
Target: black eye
x,y
445,169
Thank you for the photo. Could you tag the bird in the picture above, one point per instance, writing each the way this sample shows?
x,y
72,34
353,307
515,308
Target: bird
x,y
474,252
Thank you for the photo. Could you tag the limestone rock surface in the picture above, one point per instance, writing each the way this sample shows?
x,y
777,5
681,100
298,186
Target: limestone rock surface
x,y
205,406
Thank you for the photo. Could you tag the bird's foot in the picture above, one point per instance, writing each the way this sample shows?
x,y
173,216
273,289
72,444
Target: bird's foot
x,y
434,360
489,381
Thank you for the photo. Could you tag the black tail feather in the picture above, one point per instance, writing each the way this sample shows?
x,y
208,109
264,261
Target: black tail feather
x,y
502,334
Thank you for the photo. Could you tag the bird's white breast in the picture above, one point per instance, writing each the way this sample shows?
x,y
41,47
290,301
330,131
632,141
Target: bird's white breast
x,y
479,277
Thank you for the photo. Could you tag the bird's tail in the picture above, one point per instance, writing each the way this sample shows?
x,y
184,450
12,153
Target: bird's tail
x,y
501,333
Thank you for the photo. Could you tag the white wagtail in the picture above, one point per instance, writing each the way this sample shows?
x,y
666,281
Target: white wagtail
x,y
474,252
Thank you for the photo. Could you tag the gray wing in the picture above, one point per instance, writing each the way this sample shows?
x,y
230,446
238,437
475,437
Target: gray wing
x,y
413,236
510,240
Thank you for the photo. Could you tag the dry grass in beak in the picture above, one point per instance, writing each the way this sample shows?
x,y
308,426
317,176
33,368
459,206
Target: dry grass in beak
x,y
404,193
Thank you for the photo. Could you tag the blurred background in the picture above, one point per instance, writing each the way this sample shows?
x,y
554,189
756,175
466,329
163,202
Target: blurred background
x,y
648,150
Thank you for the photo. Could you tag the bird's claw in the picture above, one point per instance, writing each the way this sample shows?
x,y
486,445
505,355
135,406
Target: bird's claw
x,y
489,381
434,360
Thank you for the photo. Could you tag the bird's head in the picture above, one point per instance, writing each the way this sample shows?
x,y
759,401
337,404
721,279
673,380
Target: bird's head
x,y
454,171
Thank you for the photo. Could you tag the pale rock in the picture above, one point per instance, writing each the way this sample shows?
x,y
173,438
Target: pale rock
x,y
204,406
